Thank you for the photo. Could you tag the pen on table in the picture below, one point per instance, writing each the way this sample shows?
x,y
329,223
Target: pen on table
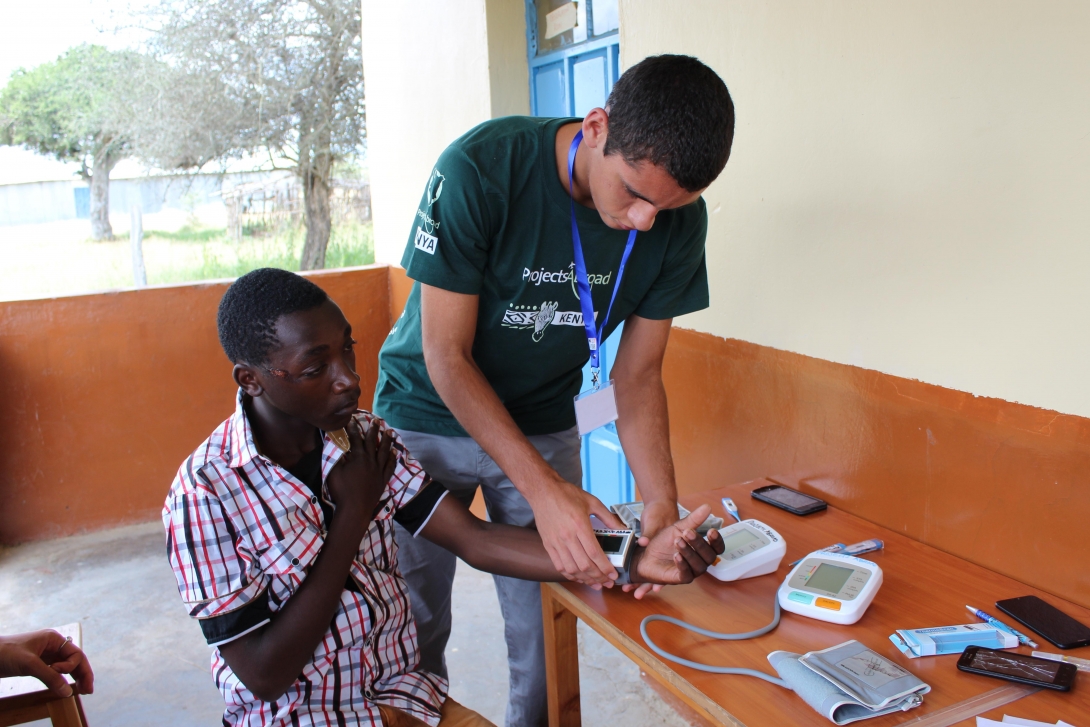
x,y
865,546
1080,664
834,548
731,508
992,621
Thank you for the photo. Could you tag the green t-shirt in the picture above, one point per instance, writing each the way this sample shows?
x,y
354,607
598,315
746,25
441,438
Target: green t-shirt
x,y
495,222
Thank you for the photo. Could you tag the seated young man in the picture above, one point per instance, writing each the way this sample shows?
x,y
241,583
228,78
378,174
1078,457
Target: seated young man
x,y
282,542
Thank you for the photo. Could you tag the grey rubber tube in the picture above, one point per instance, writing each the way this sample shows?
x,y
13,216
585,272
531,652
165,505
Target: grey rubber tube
x,y
715,635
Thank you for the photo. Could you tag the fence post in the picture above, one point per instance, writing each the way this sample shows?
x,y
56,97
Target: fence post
x,y
136,237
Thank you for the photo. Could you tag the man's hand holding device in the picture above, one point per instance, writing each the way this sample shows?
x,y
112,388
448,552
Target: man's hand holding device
x,y
562,514
561,510
676,555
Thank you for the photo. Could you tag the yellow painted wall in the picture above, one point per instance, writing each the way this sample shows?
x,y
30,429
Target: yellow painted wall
x,y
909,189
432,71
508,70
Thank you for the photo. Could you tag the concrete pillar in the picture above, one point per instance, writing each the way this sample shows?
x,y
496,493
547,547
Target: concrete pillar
x,y
432,71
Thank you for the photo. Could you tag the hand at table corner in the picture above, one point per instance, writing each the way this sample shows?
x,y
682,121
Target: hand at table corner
x,y
46,655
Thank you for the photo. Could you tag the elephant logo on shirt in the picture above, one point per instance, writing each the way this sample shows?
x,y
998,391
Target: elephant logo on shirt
x,y
543,318
537,318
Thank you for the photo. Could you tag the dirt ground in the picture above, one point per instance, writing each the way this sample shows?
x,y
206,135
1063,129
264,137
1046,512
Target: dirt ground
x,y
149,657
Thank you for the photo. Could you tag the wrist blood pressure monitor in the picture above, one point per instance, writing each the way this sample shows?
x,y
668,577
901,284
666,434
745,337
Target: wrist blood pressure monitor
x,y
617,544
831,587
750,548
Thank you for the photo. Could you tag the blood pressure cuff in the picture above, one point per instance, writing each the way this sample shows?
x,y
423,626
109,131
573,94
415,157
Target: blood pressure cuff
x,y
849,682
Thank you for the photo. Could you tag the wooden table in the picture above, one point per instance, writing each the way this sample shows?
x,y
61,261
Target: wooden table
x,y
923,587
26,699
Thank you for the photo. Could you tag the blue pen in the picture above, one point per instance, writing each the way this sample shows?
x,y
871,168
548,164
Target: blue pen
x,y
731,508
992,621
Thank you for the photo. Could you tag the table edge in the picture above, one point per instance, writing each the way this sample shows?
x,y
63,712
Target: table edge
x,y
650,663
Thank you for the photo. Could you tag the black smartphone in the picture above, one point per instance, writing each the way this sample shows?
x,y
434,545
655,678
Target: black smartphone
x,y
1047,620
787,499
1017,667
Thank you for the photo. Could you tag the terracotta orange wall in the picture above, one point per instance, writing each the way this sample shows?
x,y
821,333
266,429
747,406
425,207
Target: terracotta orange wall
x,y
104,395
1001,484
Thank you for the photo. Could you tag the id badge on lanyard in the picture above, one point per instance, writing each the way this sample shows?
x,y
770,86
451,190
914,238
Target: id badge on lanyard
x,y
597,407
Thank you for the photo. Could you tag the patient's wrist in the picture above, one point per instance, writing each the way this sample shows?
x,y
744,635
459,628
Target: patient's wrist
x,y
630,574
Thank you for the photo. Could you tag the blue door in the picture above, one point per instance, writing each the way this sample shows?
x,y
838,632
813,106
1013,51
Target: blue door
x,y
572,69
606,473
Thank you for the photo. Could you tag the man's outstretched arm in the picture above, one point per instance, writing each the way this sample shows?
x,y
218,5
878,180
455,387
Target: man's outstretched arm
x,y
677,554
643,423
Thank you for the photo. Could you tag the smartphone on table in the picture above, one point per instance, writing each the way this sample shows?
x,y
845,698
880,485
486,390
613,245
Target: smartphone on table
x,y
1047,620
1015,667
798,503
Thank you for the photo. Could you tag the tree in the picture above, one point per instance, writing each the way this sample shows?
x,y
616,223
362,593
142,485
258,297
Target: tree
x,y
73,109
256,77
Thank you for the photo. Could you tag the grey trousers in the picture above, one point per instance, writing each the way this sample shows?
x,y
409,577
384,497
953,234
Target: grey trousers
x,y
461,465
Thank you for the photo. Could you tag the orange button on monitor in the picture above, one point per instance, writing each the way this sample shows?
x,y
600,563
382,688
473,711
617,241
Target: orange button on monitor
x,y
828,603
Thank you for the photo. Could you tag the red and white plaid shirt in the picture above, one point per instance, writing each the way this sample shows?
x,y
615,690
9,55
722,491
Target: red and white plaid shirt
x,y
240,527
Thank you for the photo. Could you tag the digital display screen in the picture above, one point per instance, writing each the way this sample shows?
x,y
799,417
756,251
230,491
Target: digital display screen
x,y
610,543
1016,665
829,578
737,540
790,498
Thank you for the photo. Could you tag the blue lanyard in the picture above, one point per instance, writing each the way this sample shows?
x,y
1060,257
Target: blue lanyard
x,y
594,336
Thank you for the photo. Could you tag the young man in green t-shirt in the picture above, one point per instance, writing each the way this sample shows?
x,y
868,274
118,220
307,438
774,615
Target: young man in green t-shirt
x,y
479,374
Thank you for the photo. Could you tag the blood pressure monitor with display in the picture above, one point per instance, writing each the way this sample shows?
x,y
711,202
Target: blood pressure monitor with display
x,y
827,586
831,587
615,544
750,548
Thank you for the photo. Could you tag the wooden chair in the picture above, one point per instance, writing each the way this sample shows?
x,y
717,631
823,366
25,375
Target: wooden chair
x,y
25,699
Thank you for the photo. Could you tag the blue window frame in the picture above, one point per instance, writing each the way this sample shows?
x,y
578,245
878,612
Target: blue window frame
x,y
573,72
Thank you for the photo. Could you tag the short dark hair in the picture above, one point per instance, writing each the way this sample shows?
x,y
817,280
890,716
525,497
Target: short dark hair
x,y
254,303
674,112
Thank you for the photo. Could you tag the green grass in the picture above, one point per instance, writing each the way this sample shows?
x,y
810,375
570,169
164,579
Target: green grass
x,y
205,254
56,258
189,233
